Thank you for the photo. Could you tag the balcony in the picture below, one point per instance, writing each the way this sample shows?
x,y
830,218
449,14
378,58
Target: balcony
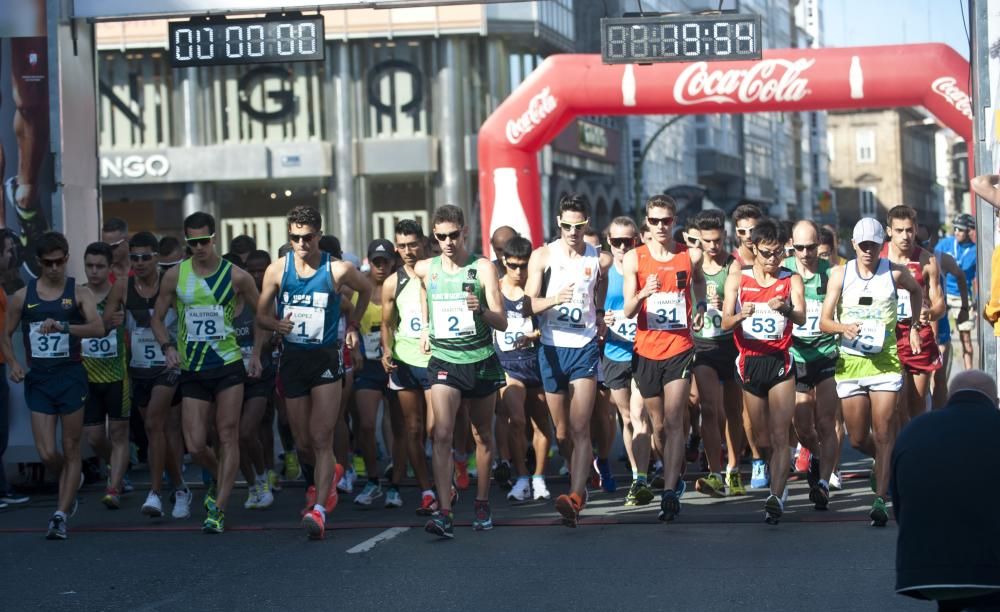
x,y
717,166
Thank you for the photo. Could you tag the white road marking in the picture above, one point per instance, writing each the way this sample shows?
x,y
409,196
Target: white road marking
x,y
370,543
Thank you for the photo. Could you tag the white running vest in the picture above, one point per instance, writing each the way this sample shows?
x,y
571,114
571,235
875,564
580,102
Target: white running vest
x,y
572,324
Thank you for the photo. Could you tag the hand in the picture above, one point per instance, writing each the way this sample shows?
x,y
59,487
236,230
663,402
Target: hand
x,y
915,340
172,358
748,310
254,368
387,363
697,320
652,286
50,326
715,302
425,342
925,317
285,326
472,302
609,318
525,341
116,320
777,304
566,294
851,331
16,372
351,339
963,315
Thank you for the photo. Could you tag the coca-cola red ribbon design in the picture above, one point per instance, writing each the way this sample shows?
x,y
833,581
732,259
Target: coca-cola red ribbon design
x,y
934,76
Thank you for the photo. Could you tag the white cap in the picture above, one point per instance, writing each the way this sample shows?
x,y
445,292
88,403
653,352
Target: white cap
x,y
869,230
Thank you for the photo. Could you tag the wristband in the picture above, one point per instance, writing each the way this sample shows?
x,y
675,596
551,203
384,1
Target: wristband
x,y
166,345
702,305
351,326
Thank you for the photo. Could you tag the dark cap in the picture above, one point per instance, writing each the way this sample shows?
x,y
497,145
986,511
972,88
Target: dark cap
x,y
381,248
964,221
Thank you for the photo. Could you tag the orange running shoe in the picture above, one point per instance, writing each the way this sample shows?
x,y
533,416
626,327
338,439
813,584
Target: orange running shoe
x,y
802,460
332,497
462,474
569,506
313,522
310,500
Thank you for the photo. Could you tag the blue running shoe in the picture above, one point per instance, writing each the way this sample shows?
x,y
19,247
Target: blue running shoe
x,y
608,483
759,476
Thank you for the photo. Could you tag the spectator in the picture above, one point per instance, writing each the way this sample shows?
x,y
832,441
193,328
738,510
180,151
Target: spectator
x,y
242,246
961,247
948,551
7,495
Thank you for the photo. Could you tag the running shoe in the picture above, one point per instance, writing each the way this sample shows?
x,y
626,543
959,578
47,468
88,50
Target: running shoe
x,y
473,468
681,487
539,490
428,505
311,497
734,484
521,491
112,499
759,478
253,498
127,486
670,506
835,482
603,467
152,507
773,509
57,528
441,524
3,505
14,499
368,495
879,514
314,524
462,474
346,484
387,473
393,499
802,459
711,485
359,466
274,481
639,494
182,504
812,474
332,498
656,479
502,473
264,496
569,507
819,495
483,520
691,452
215,522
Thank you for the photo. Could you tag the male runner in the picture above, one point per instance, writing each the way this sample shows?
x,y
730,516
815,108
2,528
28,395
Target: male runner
x,y
903,250
523,396
463,297
566,280
861,306
501,236
660,281
714,369
53,314
114,233
963,249
204,290
307,284
404,319
108,398
764,300
815,357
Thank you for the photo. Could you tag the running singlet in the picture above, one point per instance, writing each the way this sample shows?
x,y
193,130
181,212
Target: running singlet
x,y
370,329
518,325
809,342
715,286
871,303
406,345
621,335
457,334
313,303
146,359
904,310
56,348
205,309
766,331
664,328
104,358
573,324
243,325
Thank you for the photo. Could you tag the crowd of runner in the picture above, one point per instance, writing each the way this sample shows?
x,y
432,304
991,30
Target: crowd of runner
x,y
690,350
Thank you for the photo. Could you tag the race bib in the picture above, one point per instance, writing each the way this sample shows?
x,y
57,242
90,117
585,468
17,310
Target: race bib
x,y
810,329
712,327
764,324
904,310
517,327
666,311
411,322
47,346
624,328
373,344
146,351
308,323
101,348
869,340
570,314
205,323
452,319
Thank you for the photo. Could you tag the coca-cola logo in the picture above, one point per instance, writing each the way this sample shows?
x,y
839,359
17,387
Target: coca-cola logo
x,y
772,80
947,88
540,107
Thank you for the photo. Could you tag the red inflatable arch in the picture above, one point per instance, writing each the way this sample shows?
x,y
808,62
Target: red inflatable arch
x,y
565,86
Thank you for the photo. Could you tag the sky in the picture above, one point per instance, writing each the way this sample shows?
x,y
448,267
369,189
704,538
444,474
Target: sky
x,y
849,23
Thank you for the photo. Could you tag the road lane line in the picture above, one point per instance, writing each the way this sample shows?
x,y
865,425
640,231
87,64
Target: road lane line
x,y
370,543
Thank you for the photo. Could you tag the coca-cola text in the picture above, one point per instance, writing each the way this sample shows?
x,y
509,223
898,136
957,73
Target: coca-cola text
x,y
947,88
540,107
772,80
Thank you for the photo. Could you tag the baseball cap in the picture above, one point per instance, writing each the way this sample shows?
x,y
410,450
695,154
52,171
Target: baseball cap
x,y
868,230
964,221
380,248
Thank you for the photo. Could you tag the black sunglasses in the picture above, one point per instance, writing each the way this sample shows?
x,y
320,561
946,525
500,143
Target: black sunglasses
x,y
805,247
301,237
140,256
621,243
454,236
769,254
516,266
659,221
51,263
199,240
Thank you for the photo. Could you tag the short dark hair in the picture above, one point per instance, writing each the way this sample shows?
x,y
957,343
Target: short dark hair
x,y
144,240
286,248
258,255
826,237
519,247
305,215
448,213
50,242
747,210
787,225
199,220
710,220
115,224
242,244
768,231
234,259
409,227
902,212
624,222
592,232
574,202
661,200
331,244
102,249
168,244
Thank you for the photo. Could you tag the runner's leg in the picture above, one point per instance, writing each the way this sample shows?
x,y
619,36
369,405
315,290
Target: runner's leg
x,y
69,478
228,406
411,403
512,399
711,394
445,404
323,418
780,410
481,417
582,393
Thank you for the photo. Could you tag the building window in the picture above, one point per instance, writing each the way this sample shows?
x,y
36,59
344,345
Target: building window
x,y
868,204
864,140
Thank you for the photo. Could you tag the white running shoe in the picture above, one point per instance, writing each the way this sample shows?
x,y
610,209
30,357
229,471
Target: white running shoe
x,y
369,494
152,507
539,490
835,484
393,499
182,504
264,496
521,491
253,498
346,484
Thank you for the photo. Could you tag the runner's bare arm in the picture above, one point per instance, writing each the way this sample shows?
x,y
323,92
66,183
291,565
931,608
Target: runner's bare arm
x,y
630,286
533,288
164,301
390,319
494,315
986,187
950,266
731,318
246,288
93,326
798,313
601,289
906,281
265,302
935,295
11,324
113,314
346,274
828,323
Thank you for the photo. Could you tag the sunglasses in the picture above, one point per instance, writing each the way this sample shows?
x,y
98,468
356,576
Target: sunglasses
x,y
199,240
140,256
805,247
692,241
653,221
516,266
453,236
51,263
169,264
621,243
301,237
770,254
116,243
744,231
572,227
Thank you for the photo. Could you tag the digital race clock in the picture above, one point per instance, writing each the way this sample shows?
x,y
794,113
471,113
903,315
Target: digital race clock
x,y
270,39
680,38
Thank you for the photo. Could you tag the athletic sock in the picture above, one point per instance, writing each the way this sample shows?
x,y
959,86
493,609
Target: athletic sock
x,y
429,492
640,477
60,514
322,511
309,473
635,475
824,483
